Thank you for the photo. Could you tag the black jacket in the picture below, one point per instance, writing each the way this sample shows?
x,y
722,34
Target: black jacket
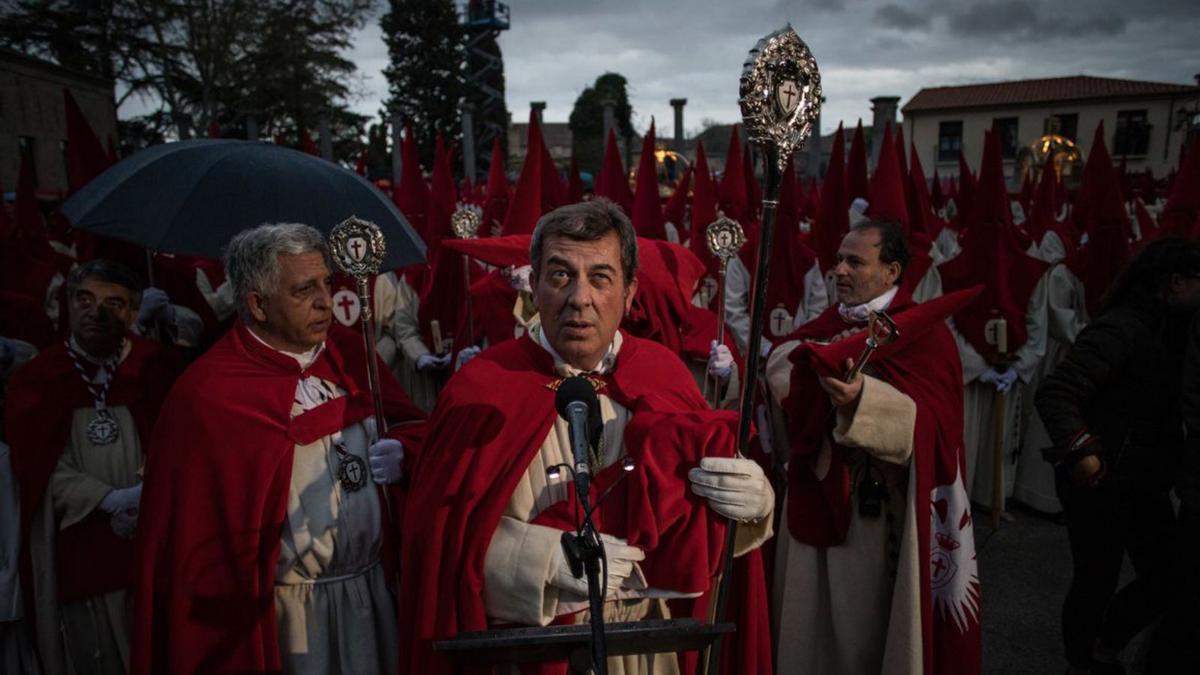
x,y
1121,382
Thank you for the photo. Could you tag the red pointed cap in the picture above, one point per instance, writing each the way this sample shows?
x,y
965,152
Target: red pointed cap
x,y
964,195
500,251
704,210
86,158
887,200
1109,231
1181,215
647,214
442,198
921,216
307,143
936,197
411,194
1045,206
674,211
857,184
901,149
753,189
495,201
527,204
612,183
732,197
833,221
553,191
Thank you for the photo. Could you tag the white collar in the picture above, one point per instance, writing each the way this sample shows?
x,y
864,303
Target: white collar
x,y
305,359
123,350
606,363
860,313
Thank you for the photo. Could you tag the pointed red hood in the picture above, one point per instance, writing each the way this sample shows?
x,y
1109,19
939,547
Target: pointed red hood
x,y
704,211
901,149
504,251
527,201
86,158
442,198
886,200
833,221
411,194
647,214
1181,215
675,210
936,198
1150,229
790,261
992,256
553,191
495,203
360,164
921,217
613,182
306,142
964,194
574,184
1045,203
1109,231
857,184
1026,197
753,189
732,197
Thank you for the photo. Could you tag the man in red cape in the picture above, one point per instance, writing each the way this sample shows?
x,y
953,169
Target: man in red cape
x,y
877,571
484,549
78,418
264,543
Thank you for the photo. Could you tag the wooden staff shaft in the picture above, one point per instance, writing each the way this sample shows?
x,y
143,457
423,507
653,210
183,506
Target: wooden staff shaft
x,y
716,399
368,332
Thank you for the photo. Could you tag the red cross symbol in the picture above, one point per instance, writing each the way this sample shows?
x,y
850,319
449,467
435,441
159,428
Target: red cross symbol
x,y
939,565
355,246
346,304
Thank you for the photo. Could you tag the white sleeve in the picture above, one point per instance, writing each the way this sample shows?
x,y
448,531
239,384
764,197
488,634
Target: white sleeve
x,y
973,364
1034,350
816,297
737,302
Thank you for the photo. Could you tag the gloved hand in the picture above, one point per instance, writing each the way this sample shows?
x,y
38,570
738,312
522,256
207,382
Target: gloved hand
x,y
622,573
124,523
466,355
519,278
765,349
121,499
154,303
720,361
429,361
734,487
1002,380
386,458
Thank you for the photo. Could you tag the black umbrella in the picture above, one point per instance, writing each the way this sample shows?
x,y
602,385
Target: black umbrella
x,y
192,197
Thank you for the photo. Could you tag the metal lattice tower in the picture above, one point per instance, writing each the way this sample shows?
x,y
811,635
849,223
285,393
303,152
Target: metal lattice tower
x,y
482,21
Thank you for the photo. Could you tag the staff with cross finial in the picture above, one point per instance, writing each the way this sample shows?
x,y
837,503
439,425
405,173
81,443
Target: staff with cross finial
x,y
465,222
357,248
780,98
725,238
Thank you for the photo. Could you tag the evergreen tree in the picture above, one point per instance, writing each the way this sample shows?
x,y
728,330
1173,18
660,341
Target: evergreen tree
x,y
426,81
587,120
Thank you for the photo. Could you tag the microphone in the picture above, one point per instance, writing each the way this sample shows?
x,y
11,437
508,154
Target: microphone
x,y
578,404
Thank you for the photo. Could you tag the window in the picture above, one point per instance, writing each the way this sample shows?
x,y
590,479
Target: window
x,y
1132,135
1064,125
949,141
26,153
1006,132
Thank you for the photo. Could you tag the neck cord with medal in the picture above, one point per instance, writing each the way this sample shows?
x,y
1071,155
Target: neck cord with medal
x,y
102,428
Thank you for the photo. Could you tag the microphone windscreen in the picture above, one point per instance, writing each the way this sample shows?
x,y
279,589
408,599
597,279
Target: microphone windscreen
x,y
576,388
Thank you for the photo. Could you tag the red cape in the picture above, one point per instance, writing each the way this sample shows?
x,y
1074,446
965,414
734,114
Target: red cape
x,y
924,365
215,499
42,398
484,444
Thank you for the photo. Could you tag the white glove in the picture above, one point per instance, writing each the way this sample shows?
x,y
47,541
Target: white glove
x,y
622,568
466,355
121,499
735,488
720,361
519,278
765,349
1002,380
386,458
154,302
428,361
124,523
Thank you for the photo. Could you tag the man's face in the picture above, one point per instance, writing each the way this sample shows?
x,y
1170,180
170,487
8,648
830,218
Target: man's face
x,y
861,276
297,314
101,313
581,295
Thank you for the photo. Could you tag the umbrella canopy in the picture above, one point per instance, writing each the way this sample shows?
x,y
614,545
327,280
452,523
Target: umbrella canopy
x,y
192,197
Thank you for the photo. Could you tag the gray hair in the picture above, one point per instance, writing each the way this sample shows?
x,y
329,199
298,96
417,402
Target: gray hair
x,y
110,272
252,257
587,221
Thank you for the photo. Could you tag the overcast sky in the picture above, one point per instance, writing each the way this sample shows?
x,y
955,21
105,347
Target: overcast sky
x,y
865,48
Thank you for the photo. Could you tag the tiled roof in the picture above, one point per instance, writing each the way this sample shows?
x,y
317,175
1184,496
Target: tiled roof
x,y
1049,90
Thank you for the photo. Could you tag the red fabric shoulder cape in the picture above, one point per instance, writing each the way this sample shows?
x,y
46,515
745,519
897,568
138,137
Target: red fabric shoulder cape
x,y
923,364
42,398
216,493
484,444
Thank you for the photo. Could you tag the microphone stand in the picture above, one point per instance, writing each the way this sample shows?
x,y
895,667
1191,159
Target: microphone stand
x,y
585,554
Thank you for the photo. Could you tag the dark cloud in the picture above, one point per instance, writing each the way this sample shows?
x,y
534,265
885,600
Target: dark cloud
x,y
894,16
996,19
1107,25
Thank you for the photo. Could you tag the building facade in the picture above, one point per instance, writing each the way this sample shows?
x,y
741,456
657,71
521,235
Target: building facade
x,y
1145,123
33,117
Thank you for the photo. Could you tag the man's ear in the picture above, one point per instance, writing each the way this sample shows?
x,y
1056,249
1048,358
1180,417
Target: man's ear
x,y
894,271
257,305
630,291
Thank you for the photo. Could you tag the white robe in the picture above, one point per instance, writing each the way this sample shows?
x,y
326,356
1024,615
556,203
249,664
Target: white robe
x,y
779,322
980,402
